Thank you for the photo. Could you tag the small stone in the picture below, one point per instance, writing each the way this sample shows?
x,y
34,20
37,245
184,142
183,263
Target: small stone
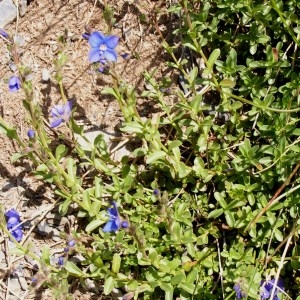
x,y
15,287
8,12
45,75
23,283
44,229
22,7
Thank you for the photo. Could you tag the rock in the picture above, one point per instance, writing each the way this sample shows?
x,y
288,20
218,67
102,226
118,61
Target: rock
x,y
22,7
8,12
23,283
15,287
45,75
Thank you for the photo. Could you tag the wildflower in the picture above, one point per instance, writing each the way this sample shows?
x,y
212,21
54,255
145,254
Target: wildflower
x,y
60,261
86,35
156,192
13,224
4,33
114,222
30,133
102,47
125,55
61,113
267,287
14,83
71,243
239,292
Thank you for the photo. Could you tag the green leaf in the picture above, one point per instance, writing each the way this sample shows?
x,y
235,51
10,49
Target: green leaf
x,y
212,58
153,157
109,91
73,269
86,202
215,213
174,144
188,287
133,127
16,156
60,151
227,83
178,278
116,263
166,286
8,131
229,218
109,285
93,225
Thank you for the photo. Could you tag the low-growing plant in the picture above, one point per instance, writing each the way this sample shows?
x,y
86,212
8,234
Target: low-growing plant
x,y
206,205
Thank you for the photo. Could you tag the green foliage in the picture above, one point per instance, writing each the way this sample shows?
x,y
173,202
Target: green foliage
x,y
218,156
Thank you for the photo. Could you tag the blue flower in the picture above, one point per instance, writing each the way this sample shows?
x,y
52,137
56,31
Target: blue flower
x,y
14,83
114,222
125,55
61,261
239,292
71,243
61,113
86,36
13,224
156,192
267,286
30,133
102,47
4,33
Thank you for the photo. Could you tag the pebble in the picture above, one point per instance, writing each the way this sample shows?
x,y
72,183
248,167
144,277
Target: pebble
x,y
14,286
8,12
22,7
45,75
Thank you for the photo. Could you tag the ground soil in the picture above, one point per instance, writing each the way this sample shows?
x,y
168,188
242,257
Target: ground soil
x,y
39,29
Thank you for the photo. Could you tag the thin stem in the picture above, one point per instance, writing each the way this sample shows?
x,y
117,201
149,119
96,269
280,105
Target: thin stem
x,y
276,197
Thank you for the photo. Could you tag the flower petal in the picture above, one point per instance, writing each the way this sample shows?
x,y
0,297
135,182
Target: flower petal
x,y
68,107
55,123
14,83
57,111
111,41
12,222
110,55
94,55
111,225
86,36
17,234
96,39
12,213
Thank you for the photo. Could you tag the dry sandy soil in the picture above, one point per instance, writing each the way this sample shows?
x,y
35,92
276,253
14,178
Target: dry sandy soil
x,y
43,23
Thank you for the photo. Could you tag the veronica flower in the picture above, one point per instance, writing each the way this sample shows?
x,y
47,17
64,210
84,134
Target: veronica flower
x,y
239,292
14,83
71,243
156,192
267,287
125,55
61,113
13,224
30,133
114,222
61,261
86,36
102,47
4,33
